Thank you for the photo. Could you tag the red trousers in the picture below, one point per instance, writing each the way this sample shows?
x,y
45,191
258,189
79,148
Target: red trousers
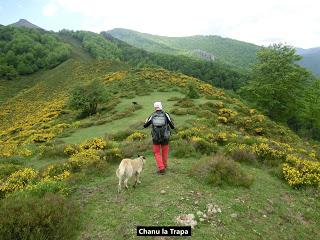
x,y
161,155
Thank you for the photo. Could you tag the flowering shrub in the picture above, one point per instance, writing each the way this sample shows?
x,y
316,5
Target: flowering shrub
x,y
54,170
188,133
136,136
95,143
219,104
12,149
252,111
115,76
226,112
222,119
253,124
42,137
203,146
31,121
226,115
18,180
258,118
300,172
222,137
83,159
71,149
258,131
265,152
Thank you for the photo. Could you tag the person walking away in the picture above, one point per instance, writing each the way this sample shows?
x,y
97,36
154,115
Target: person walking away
x,y
161,123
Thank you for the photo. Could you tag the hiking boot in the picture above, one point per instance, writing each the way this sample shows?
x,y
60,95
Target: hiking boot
x,y
162,171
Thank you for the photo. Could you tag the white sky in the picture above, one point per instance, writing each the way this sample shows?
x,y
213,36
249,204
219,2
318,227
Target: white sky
x,y
262,22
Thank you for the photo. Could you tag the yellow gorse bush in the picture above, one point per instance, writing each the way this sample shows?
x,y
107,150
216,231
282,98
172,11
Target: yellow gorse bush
x,y
296,170
189,133
13,149
219,104
301,172
252,111
19,180
222,119
71,149
265,151
226,115
95,143
258,130
222,137
24,121
226,112
136,136
88,153
115,76
84,156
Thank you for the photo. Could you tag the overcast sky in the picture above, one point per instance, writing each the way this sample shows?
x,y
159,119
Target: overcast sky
x,y
262,22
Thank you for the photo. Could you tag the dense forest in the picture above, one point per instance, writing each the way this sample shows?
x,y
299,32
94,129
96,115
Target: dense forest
x,y
24,51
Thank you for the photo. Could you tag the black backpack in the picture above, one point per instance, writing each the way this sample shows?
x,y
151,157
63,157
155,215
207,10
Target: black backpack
x,y
160,129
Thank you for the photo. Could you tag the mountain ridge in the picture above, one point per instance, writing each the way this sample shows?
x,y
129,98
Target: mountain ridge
x,y
231,51
25,23
310,59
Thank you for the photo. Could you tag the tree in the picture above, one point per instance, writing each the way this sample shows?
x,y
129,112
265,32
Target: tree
x,y
86,98
277,83
311,111
192,91
7,72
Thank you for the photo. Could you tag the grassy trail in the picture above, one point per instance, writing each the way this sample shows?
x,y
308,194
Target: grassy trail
x,y
246,213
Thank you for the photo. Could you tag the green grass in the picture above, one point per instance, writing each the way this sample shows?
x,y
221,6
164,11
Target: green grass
x,y
138,116
268,204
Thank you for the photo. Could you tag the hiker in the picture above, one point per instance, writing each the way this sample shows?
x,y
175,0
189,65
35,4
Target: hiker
x,y
161,123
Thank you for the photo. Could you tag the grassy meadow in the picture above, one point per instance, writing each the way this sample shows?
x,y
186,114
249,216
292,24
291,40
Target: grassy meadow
x,y
263,177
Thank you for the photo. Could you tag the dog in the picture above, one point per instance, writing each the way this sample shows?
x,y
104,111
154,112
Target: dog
x,y
129,167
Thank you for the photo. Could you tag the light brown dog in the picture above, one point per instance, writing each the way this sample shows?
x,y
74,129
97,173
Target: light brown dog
x,y
129,167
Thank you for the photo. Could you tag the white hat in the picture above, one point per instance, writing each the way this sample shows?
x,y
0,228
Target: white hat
x,y
157,105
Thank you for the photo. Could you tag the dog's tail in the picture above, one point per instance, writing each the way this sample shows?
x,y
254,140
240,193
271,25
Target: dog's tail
x,y
120,172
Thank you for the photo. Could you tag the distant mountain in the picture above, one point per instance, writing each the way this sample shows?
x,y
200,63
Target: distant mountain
x,y
311,59
302,51
25,23
230,51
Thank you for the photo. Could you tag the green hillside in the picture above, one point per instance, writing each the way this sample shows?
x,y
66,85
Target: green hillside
x,y
104,46
233,52
26,50
57,169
